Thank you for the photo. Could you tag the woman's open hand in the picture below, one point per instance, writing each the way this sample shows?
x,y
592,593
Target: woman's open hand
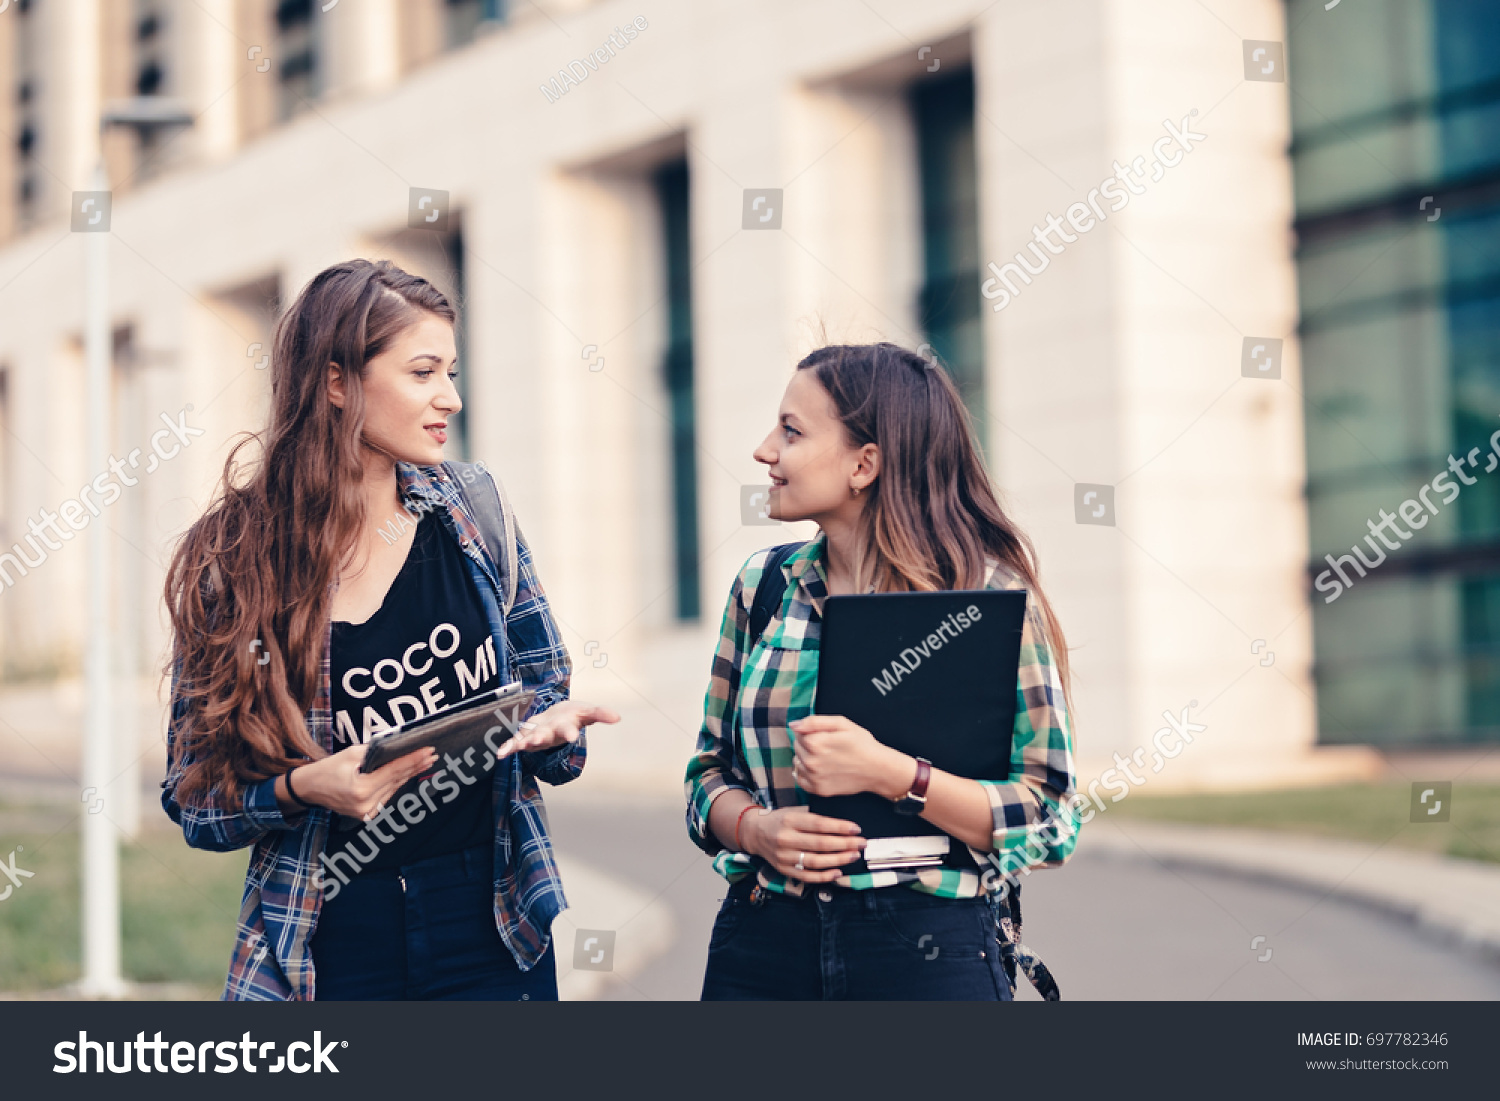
x,y
794,835
558,725
337,783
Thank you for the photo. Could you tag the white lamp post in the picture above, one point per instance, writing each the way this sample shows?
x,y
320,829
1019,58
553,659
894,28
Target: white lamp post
x,y
101,845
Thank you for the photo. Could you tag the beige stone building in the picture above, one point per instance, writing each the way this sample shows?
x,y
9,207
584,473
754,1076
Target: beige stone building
x,y
645,231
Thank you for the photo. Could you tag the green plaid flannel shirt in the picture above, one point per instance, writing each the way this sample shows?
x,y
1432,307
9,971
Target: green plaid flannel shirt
x,y
746,743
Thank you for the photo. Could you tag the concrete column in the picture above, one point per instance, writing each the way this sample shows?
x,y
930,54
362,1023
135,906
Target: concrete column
x,y
212,61
69,144
363,46
1120,364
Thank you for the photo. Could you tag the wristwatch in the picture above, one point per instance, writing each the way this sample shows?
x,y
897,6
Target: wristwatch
x,y
915,800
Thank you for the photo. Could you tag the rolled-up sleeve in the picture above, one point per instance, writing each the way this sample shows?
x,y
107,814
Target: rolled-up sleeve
x,y
211,822
714,768
1034,822
541,663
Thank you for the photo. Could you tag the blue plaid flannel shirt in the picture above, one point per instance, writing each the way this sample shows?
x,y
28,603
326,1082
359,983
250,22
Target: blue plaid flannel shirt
x,y
272,960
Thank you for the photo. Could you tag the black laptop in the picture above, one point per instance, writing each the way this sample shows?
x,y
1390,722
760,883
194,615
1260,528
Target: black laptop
x,y
934,675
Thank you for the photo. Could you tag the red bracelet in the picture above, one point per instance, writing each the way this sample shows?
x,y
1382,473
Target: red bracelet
x,y
737,822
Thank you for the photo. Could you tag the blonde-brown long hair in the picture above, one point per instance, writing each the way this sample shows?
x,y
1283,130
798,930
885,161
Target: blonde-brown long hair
x,y
252,576
932,515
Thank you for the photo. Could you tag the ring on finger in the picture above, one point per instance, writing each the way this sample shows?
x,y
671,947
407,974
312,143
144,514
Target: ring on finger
x,y
800,858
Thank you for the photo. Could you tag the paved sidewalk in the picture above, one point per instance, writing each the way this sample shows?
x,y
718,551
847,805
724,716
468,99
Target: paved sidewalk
x,y
1457,900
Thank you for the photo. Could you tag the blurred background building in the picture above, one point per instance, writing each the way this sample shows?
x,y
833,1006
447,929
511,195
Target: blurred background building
x,y
630,315
1396,148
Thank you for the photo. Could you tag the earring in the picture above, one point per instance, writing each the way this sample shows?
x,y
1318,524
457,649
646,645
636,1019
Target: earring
x,y
854,491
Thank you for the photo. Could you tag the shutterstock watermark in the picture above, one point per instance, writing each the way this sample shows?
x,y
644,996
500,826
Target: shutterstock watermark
x,y
1087,213
1414,511
1050,832
577,71
186,1057
13,872
1167,743
410,807
1180,729
76,512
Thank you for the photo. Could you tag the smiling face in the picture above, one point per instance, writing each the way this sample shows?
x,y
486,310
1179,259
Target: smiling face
x,y
409,392
813,468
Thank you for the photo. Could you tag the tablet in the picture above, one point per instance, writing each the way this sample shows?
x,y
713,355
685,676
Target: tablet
x,y
455,729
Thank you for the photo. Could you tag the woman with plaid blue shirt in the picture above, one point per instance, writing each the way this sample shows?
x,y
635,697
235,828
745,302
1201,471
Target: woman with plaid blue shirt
x,y
873,444
298,637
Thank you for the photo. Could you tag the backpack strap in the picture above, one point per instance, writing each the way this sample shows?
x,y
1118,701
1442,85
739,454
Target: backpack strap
x,y
769,593
485,496
771,590
1013,954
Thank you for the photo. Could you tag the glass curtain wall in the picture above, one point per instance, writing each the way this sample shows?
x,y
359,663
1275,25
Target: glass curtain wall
x,y
1396,154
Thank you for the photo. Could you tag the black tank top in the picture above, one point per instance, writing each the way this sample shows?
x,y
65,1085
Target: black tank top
x,y
428,647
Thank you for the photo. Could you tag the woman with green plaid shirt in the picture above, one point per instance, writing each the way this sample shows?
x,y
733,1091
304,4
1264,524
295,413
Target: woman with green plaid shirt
x,y
874,445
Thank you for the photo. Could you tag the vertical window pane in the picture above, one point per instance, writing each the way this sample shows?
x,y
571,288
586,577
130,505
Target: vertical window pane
x,y
459,426
298,71
672,193
465,18
943,112
1400,305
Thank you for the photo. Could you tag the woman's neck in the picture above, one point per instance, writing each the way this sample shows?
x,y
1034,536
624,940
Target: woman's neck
x,y
382,497
840,552
382,504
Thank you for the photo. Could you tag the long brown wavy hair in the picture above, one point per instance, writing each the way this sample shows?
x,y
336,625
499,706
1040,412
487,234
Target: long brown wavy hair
x,y
931,516
252,577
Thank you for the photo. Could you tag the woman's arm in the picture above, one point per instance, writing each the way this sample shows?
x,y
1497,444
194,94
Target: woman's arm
x,y
334,782
541,662
1040,798
835,756
208,823
721,809
713,771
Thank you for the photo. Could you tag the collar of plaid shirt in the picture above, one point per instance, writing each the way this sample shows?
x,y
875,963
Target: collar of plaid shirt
x,y
272,960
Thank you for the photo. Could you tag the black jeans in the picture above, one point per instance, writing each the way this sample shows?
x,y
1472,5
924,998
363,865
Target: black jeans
x,y
880,944
431,937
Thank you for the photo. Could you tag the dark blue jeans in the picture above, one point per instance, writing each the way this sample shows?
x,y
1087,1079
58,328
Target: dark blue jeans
x,y
882,944
430,938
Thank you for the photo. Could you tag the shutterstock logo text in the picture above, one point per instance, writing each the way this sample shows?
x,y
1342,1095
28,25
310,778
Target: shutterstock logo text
x,y
187,1058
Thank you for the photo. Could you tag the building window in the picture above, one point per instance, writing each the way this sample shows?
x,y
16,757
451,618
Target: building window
x,y
672,194
1397,173
150,59
28,116
466,20
151,77
453,248
298,72
943,114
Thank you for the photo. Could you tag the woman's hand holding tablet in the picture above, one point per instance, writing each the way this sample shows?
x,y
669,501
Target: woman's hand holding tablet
x,y
338,783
